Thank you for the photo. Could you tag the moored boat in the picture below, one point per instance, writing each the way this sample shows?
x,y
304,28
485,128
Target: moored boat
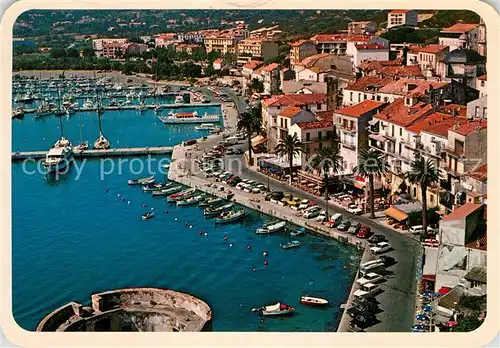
x,y
214,211
142,181
271,227
148,216
181,195
156,187
205,127
313,301
190,200
298,232
168,191
211,202
188,117
230,216
274,310
291,244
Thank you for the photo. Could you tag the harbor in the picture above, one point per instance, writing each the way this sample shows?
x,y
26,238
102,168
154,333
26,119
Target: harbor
x,y
118,152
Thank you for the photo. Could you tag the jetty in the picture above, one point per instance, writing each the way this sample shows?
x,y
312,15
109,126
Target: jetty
x,y
117,152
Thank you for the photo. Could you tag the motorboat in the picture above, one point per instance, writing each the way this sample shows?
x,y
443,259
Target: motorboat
x,y
142,181
101,143
179,99
274,310
190,200
81,147
188,117
18,113
230,216
291,244
181,195
63,142
205,127
271,227
88,104
313,301
147,216
210,202
298,232
168,191
215,211
156,187
58,158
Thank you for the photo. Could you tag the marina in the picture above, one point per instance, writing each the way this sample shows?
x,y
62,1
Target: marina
x,y
118,152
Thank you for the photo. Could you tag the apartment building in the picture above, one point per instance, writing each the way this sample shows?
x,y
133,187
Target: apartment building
x,y
459,35
430,58
189,48
478,109
365,88
300,50
223,43
166,40
271,78
313,135
98,44
258,48
266,33
401,17
481,85
290,116
362,27
363,52
114,50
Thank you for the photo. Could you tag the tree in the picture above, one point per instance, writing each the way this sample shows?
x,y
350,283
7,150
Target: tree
x,y
88,52
135,39
249,122
371,165
467,324
327,159
256,85
290,146
58,52
72,53
422,172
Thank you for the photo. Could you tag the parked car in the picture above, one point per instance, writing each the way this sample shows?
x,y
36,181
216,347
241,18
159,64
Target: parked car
x,y
238,151
365,304
335,220
321,217
354,228
376,238
304,204
344,225
380,248
276,195
387,260
311,212
374,268
366,289
363,320
418,229
364,232
369,278
230,151
354,209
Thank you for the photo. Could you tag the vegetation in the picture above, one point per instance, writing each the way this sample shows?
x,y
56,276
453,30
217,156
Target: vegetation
x,y
290,146
371,165
424,174
256,85
444,19
468,324
405,34
475,303
250,122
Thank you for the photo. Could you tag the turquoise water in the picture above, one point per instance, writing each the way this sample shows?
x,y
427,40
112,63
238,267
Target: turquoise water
x,y
126,128
71,238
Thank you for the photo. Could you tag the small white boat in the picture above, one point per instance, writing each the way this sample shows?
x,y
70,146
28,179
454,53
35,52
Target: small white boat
x,y
81,147
181,195
274,310
142,181
188,117
298,232
168,191
156,187
291,244
230,216
148,216
205,127
88,104
271,227
101,143
190,200
313,301
179,99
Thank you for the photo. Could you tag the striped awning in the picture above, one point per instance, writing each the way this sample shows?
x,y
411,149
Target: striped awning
x,y
259,139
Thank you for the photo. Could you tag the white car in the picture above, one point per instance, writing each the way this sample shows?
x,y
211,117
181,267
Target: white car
x,y
366,290
311,212
217,173
369,278
256,190
321,217
241,185
354,210
380,248
303,204
419,229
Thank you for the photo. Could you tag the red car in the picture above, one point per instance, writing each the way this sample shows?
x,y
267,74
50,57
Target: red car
x,y
364,232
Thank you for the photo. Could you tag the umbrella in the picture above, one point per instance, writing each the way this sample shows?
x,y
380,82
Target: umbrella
x,y
427,308
427,294
421,317
452,323
417,327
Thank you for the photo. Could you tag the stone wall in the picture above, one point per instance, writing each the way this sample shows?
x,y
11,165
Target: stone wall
x,y
55,319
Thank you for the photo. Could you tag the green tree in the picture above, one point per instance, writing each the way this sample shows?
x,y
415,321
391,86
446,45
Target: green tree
x,y
371,165
57,52
290,146
423,173
468,324
256,85
250,122
88,52
325,160
72,53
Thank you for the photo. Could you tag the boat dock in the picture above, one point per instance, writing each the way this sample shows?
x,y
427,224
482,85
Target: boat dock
x,y
118,152
132,107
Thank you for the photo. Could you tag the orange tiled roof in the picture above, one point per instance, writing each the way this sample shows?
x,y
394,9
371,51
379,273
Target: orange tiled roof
x,y
253,64
360,109
481,243
441,128
218,60
367,81
295,99
313,59
316,124
480,173
462,212
401,115
450,109
370,47
469,127
398,86
290,111
324,115
271,67
300,43
427,121
400,11
482,77
402,71
460,28
433,48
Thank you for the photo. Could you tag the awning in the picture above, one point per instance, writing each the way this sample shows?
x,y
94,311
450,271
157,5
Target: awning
x,y
430,263
259,139
378,137
359,185
396,214
373,122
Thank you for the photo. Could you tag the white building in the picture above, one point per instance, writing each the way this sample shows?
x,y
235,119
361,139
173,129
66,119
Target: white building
x,y
372,52
98,44
478,109
311,134
481,85
460,34
401,17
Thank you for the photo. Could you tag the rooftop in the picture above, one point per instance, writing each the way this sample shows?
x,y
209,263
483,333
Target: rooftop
x,y
479,243
360,109
411,86
462,212
477,274
295,99
368,81
316,124
401,115
460,28
441,128
271,67
480,173
463,56
300,43
455,110
290,111
470,127
218,60
253,64
371,47
314,58
399,11
401,71
482,77
433,48
427,121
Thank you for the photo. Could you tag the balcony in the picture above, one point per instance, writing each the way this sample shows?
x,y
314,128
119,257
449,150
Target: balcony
x,y
454,152
349,145
347,129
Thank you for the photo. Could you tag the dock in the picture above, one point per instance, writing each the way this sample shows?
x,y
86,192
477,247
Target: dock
x,y
118,152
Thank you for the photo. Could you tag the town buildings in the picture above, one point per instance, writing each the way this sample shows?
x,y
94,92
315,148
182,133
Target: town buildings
x,y
362,28
257,48
314,135
459,34
300,50
98,44
401,17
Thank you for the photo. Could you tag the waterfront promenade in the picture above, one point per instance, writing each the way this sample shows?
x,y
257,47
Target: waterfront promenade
x,y
117,152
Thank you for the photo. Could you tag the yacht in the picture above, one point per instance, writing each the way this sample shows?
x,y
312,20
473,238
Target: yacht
x,y
179,100
188,117
88,104
44,110
57,158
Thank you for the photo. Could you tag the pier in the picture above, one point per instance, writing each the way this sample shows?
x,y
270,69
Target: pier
x,y
118,152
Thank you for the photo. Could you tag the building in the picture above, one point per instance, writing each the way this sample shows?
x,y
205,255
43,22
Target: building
x,y
290,116
481,85
271,78
266,33
464,65
257,48
136,48
287,75
324,64
218,64
459,35
247,71
365,88
351,123
430,59
363,52
362,28
300,50
477,109
303,87
223,43
313,135
192,36
481,38
473,185
113,50
401,17
166,40
189,48
98,44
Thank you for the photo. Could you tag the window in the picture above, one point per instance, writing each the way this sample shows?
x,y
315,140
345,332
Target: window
x,y
318,106
281,122
350,96
286,123
295,133
432,199
386,99
320,136
482,83
308,136
392,131
400,132
365,97
484,112
476,113
400,148
414,192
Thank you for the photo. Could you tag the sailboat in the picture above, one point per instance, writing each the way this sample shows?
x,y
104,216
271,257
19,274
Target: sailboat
x,y
101,143
60,155
84,145
60,111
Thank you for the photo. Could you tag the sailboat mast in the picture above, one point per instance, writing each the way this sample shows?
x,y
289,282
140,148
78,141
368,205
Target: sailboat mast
x,y
81,133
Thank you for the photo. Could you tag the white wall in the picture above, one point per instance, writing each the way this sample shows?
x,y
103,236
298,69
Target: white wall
x,y
376,54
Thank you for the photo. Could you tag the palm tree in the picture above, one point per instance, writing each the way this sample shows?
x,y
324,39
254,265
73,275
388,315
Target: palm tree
x,y
326,159
371,164
250,122
423,173
290,146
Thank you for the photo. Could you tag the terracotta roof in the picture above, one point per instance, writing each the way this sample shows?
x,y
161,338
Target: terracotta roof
x,y
300,43
359,38
316,124
455,110
398,86
329,37
290,111
313,59
218,60
460,28
368,81
433,48
469,127
370,47
427,121
253,64
480,173
462,212
402,71
401,115
400,11
271,67
324,115
482,77
295,99
360,109
441,128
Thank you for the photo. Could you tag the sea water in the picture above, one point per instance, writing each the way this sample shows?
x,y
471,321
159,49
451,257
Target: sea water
x,y
80,235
